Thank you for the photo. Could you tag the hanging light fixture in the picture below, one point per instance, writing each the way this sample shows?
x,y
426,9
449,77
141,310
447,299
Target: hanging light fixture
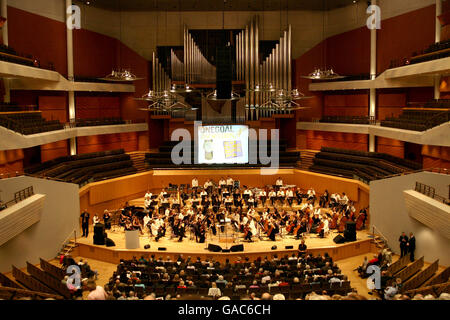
x,y
164,101
323,74
120,75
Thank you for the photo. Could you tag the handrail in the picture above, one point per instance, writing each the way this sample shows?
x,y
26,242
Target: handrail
x,y
379,234
433,170
74,233
18,197
430,192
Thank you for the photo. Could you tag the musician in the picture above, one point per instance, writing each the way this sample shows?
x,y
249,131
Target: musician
x,y
230,183
324,199
247,232
303,228
344,199
334,200
147,220
228,202
128,225
162,194
96,219
311,194
299,196
208,186
222,184
262,196
273,230
136,224
106,219
147,200
278,183
160,233
251,202
272,196
290,196
280,195
194,184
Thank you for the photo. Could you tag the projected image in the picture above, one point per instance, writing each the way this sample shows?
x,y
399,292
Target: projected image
x,y
223,144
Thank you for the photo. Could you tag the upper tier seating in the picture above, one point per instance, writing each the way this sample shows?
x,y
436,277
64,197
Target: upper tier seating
x,y
346,119
98,122
364,166
8,54
28,123
85,168
417,119
434,51
162,159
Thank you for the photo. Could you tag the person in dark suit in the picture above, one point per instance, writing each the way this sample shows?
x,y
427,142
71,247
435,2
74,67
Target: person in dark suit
x,y
411,246
403,244
85,223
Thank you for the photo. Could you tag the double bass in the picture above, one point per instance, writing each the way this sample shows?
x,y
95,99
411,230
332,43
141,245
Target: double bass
x,y
361,218
342,223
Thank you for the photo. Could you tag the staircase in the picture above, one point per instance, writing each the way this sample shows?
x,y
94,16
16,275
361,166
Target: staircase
x,y
67,248
379,240
138,159
306,159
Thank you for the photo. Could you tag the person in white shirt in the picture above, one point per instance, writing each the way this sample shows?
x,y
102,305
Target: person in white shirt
x,y
230,182
344,199
263,196
272,196
280,196
222,183
279,183
148,194
214,291
96,219
311,194
147,219
290,196
194,183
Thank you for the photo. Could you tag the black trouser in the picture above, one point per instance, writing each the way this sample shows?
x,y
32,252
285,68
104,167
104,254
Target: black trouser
x,y
404,251
263,200
85,228
411,254
249,236
290,200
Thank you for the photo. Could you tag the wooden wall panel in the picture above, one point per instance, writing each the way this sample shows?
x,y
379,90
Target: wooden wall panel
x,y
127,141
54,107
92,106
54,150
315,140
393,147
41,37
11,161
111,194
390,105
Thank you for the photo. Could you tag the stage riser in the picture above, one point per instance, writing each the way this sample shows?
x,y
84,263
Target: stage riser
x,y
338,252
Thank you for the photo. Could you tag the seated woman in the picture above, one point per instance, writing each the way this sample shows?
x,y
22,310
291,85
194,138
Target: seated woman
x,y
214,291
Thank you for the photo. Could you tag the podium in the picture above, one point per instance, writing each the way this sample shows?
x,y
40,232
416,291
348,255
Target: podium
x,y
132,239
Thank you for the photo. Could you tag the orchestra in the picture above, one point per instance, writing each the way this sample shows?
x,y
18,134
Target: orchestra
x,y
252,213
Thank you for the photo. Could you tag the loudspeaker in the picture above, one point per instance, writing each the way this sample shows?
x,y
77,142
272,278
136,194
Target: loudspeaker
x,y
289,247
350,231
99,229
214,248
147,246
350,226
162,249
274,248
237,248
99,240
224,72
110,243
339,239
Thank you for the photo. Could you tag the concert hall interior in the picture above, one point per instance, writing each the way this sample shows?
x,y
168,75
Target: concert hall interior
x,y
225,150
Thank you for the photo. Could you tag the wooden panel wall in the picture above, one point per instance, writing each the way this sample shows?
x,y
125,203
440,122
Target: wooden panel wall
x,y
315,140
97,106
390,146
390,104
127,141
346,104
11,161
111,194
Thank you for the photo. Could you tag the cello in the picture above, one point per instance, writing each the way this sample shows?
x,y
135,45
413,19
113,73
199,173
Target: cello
x,y
342,223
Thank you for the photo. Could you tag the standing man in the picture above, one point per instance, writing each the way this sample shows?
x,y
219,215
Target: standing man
x,y
85,223
411,246
302,248
403,244
194,184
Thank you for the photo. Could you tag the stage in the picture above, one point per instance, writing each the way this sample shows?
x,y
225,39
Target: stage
x,y
258,248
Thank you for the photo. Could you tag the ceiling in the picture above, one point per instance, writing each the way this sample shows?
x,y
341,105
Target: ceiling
x,y
217,5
